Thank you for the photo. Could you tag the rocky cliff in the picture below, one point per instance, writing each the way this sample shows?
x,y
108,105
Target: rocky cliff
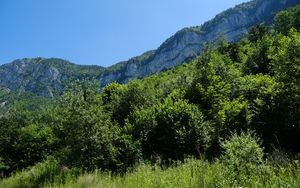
x,y
47,77
44,77
188,43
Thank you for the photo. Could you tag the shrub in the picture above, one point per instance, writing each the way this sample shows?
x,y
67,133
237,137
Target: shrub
x,y
171,130
242,153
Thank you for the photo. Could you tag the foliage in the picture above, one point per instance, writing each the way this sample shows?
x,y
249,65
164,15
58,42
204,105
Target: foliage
x,y
88,137
47,172
23,141
191,173
252,84
242,154
123,100
257,32
285,20
171,130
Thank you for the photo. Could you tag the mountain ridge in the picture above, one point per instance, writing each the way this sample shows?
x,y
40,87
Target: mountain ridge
x,y
184,45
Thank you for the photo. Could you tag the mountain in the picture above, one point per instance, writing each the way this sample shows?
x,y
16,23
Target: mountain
x,y
188,42
3,100
46,77
42,76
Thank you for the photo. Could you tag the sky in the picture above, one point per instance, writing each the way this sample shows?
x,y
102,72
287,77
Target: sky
x,y
96,32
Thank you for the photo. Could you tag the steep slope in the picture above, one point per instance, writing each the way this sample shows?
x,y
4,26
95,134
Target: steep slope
x,y
47,77
41,76
3,100
187,43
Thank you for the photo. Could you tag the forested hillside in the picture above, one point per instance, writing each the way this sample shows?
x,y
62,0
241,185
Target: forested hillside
x,y
49,76
229,118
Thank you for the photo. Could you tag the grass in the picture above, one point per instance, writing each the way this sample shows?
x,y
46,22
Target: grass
x,y
192,173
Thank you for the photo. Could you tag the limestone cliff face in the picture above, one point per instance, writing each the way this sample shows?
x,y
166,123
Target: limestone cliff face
x,y
188,43
3,100
25,74
48,76
44,77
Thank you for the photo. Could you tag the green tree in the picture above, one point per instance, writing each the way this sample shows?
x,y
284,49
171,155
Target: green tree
x,y
285,20
171,130
122,100
257,32
24,140
258,60
284,54
89,139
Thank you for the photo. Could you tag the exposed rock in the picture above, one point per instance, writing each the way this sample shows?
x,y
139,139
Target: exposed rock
x,y
188,43
2,104
44,77
48,77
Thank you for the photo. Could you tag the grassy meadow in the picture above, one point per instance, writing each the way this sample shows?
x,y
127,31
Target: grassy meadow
x,y
191,173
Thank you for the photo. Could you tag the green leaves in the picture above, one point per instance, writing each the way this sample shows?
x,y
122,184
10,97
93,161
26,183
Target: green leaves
x,y
171,129
288,19
251,84
89,138
241,155
34,143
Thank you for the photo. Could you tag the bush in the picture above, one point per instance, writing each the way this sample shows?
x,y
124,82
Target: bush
x,y
242,153
89,140
171,130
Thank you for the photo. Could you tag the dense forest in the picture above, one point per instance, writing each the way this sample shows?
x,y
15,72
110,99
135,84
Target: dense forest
x,y
229,118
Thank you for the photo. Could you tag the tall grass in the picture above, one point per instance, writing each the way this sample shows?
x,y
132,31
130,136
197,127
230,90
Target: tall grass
x,y
192,173
46,173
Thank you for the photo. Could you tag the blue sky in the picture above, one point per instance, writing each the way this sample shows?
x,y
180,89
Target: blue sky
x,y
99,32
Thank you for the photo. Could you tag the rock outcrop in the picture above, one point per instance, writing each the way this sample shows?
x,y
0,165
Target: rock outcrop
x,y
188,43
47,77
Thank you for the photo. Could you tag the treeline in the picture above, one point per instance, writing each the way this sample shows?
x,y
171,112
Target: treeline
x,y
232,88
